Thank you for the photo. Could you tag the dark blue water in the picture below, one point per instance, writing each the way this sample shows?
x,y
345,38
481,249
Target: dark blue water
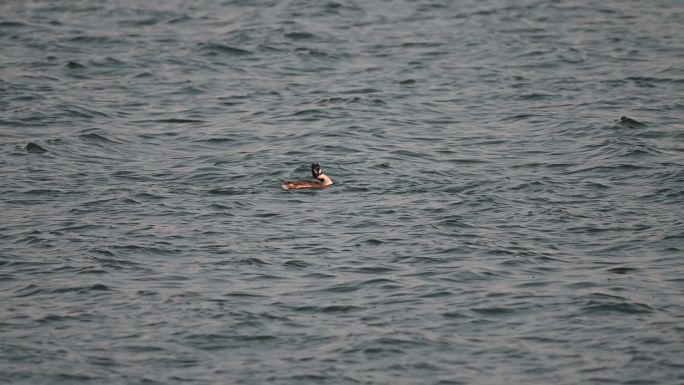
x,y
508,205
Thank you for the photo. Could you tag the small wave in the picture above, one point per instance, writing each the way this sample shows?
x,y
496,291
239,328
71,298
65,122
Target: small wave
x,y
341,288
176,120
515,118
648,81
400,154
218,206
221,341
215,140
338,309
371,242
609,169
115,263
34,148
79,227
339,100
28,290
315,53
95,137
74,65
421,44
243,294
97,39
217,48
78,111
180,19
148,196
454,314
12,24
297,263
306,112
143,75
32,289
620,307
370,269
107,62
169,120
300,35
144,22
361,91
382,283
252,261
493,311
469,161
627,122
39,191
229,191
535,96
621,270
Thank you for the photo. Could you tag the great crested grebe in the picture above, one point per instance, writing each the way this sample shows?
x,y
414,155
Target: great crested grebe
x,y
322,182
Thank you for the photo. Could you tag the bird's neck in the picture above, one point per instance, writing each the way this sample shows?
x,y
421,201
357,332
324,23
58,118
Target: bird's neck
x,y
325,180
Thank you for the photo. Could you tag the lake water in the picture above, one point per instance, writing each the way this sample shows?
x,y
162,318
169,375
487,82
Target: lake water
x,y
507,206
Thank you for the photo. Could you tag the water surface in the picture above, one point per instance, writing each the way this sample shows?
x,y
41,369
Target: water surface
x,y
507,207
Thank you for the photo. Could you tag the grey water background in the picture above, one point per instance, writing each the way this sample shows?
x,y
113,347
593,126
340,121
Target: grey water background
x,y
508,203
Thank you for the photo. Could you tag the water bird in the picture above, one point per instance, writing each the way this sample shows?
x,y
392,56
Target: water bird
x,y
322,182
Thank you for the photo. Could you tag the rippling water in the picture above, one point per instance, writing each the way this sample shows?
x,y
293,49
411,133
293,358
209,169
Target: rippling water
x,y
508,204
